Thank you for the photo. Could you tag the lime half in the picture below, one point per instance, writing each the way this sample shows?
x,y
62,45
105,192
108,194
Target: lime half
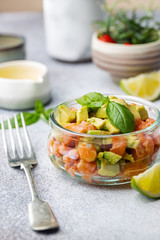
x,y
146,85
148,182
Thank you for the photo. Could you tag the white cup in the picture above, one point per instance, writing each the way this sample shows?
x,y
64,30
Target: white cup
x,y
68,28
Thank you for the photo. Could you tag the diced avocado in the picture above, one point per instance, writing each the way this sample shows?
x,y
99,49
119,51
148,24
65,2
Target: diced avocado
x,y
119,100
100,156
98,163
97,147
128,157
109,126
82,114
134,111
132,141
111,157
98,132
107,141
122,162
101,112
112,97
142,111
108,170
65,115
97,122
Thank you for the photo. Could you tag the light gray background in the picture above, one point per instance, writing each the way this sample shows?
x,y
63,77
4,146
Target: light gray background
x,y
84,212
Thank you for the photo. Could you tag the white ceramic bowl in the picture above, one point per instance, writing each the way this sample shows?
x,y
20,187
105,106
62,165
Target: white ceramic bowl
x,y
22,83
123,61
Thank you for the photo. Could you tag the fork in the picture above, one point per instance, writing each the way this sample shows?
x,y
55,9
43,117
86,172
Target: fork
x,y
41,216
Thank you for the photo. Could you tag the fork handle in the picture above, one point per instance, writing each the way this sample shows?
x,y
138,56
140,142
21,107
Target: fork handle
x,y
41,216
32,185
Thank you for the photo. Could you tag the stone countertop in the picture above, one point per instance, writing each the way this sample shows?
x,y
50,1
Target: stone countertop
x,y
84,212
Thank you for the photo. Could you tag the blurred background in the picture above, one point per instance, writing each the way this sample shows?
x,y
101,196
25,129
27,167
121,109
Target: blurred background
x,y
63,30
74,31
36,5
20,5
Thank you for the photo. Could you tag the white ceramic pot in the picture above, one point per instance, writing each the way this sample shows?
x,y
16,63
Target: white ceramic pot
x,y
68,27
124,61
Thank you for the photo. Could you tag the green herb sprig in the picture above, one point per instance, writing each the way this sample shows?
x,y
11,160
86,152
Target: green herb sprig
x,y
119,115
129,26
31,118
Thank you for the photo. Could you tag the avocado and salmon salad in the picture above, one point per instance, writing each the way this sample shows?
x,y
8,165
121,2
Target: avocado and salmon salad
x,y
103,138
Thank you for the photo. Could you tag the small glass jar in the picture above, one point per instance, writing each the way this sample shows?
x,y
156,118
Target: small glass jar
x,y
66,148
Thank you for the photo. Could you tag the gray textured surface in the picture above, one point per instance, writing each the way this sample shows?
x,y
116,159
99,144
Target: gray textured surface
x,y
84,212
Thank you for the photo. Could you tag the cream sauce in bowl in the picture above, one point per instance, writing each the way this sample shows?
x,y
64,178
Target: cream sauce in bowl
x,y
21,72
22,83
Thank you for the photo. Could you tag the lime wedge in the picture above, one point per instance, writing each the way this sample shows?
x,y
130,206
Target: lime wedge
x,y
146,85
148,182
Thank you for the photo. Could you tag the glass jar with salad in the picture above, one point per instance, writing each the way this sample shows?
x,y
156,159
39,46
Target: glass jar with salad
x,y
103,139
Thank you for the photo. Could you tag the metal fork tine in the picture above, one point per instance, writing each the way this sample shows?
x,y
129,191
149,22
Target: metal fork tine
x,y
19,136
30,148
11,137
4,139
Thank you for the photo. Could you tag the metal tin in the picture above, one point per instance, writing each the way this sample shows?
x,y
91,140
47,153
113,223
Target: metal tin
x,y
12,47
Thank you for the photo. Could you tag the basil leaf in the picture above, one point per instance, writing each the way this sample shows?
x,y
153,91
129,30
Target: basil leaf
x,y
47,113
90,97
29,119
40,110
39,107
92,100
120,116
45,116
107,99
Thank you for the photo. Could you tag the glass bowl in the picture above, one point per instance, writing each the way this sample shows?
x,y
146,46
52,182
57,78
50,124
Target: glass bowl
x,y
66,153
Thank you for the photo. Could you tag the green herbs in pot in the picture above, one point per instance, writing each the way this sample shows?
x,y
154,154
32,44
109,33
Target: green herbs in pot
x,y
128,27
